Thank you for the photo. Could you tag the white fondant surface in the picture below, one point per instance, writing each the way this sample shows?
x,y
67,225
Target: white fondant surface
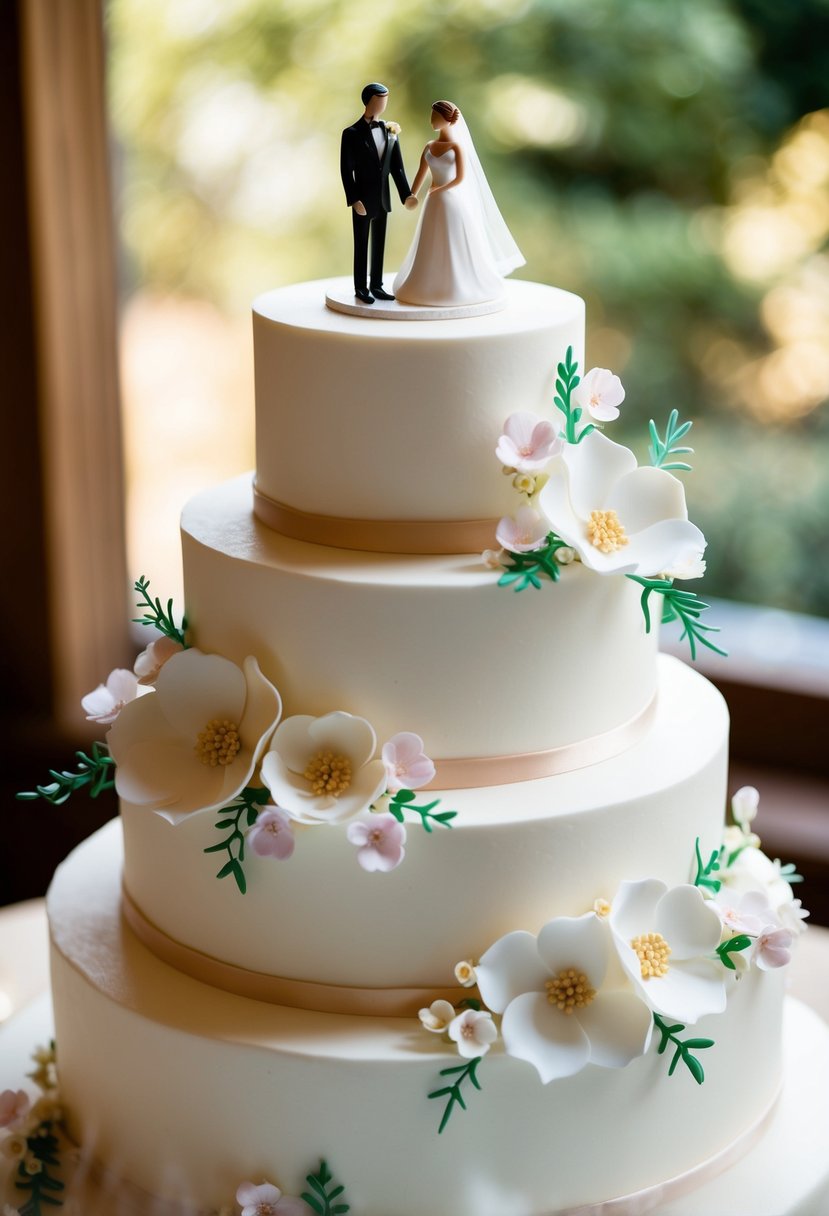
x,y
390,421
426,644
517,856
188,1090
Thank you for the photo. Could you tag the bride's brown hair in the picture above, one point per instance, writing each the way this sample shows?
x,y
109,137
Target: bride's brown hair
x,y
447,110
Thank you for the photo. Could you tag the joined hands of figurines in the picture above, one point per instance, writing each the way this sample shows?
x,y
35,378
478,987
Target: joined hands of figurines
x,y
462,248
369,155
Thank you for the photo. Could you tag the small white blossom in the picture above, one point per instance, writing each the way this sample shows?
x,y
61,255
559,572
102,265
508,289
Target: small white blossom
x,y
437,1017
565,555
474,1032
465,974
495,559
744,806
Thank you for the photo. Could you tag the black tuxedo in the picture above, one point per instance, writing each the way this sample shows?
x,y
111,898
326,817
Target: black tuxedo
x,y
365,177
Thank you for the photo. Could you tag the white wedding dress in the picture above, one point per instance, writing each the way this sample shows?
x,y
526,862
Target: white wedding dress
x,y
453,260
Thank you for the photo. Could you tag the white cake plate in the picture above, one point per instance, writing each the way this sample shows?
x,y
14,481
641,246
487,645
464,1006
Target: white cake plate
x,y
785,1174
340,297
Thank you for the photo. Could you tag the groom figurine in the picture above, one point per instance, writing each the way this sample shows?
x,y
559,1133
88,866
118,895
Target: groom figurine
x,y
369,153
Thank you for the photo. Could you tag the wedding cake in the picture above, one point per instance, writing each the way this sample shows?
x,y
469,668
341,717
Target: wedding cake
x,y
420,899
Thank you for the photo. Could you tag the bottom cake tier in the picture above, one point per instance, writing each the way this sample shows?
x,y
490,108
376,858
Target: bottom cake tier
x,y
184,1091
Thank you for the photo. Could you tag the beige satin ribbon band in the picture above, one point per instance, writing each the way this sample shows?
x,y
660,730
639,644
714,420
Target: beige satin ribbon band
x,y
409,536
466,774
296,994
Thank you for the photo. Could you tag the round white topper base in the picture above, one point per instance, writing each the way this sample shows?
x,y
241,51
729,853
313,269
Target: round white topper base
x,y
340,297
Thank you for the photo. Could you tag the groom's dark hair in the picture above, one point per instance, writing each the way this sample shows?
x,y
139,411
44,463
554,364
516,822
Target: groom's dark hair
x,y
372,90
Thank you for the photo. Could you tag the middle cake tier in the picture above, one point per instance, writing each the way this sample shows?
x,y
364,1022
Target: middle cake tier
x,y
516,856
431,645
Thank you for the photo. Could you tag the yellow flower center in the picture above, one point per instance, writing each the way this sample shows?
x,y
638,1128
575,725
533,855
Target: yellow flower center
x,y
652,951
329,774
569,990
218,743
605,531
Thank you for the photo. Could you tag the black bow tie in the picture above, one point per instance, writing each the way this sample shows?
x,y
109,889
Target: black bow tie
x,y
375,123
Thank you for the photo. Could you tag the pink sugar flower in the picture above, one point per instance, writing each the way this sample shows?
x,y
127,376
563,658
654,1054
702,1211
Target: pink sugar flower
x,y
528,443
601,394
380,840
407,765
105,702
268,1200
272,835
14,1107
523,532
773,948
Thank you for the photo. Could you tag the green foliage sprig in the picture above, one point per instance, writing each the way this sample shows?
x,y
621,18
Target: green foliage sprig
x,y
96,771
243,810
567,379
461,1072
527,569
660,449
322,1201
678,605
156,616
43,1145
403,800
734,945
705,871
683,1050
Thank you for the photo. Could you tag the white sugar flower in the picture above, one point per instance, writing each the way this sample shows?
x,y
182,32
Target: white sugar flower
x,y
13,1147
193,743
437,1017
752,870
105,702
465,974
600,393
495,559
662,936
153,657
620,518
523,532
528,443
321,770
792,915
561,1009
744,806
565,556
474,1032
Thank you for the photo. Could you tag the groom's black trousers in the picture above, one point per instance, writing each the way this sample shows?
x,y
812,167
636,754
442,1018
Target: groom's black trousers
x,y
377,226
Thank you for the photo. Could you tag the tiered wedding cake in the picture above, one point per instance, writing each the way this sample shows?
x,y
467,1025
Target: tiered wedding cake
x,y
555,921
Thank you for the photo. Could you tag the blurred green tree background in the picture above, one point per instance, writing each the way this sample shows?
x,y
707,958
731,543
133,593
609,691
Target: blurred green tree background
x,y
666,159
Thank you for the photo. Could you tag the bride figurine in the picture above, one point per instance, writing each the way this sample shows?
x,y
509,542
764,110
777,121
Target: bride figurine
x,y
462,249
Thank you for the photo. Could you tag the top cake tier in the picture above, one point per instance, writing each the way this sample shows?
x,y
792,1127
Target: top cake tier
x,y
380,434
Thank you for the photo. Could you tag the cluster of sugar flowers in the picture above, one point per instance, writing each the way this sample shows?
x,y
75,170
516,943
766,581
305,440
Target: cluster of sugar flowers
x,y
753,895
26,1127
472,1030
325,770
589,989
583,497
188,730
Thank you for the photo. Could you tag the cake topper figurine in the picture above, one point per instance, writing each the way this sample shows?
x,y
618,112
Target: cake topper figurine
x,y
462,248
369,155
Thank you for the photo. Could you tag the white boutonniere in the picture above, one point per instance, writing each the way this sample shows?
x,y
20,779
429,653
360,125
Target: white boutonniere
x,y
393,129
